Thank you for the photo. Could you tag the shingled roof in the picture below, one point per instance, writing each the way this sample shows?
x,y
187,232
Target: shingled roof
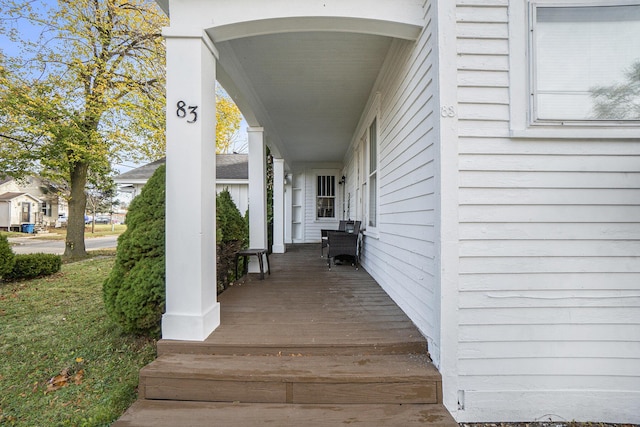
x,y
4,197
228,166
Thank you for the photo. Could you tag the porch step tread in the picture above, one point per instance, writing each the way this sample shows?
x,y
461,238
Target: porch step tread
x,y
194,414
288,368
292,379
281,344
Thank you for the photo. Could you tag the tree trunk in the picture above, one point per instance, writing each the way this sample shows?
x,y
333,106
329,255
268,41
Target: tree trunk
x,y
74,244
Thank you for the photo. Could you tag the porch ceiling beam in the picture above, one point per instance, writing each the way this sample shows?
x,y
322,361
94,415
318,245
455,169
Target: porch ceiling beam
x,y
400,30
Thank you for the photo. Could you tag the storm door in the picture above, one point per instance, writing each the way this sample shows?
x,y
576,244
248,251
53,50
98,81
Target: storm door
x,y
26,212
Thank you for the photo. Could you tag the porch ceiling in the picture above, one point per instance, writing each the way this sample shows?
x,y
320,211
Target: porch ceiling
x,y
307,89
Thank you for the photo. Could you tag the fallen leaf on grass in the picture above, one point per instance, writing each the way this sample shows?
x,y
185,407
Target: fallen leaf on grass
x,y
63,379
77,378
57,382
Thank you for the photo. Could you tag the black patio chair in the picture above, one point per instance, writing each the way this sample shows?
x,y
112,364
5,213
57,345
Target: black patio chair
x,y
343,244
323,236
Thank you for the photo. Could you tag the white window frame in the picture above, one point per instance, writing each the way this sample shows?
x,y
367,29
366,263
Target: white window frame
x,y
521,87
373,175
361,151
325,174
45,208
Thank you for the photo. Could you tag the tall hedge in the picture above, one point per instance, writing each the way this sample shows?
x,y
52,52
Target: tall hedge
x,y
232,234
7,258
134,292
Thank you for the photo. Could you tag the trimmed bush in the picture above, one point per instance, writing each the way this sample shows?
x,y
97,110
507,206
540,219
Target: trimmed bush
x,y
30,266
231,236
7,258
134,292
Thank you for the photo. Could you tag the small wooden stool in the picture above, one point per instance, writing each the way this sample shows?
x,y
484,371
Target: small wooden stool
x,y
257,252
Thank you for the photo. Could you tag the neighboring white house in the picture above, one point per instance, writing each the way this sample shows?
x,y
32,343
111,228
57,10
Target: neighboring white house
x,y
231,171
491,149
18,210
50,205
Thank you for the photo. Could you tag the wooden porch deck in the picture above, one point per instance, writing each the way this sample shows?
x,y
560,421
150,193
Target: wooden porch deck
x,y
306,346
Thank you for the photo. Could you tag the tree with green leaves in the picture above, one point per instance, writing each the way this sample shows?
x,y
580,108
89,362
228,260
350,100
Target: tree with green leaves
x,y
228,118
87,93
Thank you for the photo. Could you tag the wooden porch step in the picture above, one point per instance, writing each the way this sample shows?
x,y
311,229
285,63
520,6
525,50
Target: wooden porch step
x,y
388,379
381,346
148,413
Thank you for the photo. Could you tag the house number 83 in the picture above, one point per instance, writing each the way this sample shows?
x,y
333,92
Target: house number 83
x,y
183,110
447,111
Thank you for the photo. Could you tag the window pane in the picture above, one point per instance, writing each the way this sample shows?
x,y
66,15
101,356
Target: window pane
x,y
326,186
587,63
373,147
325,200
325,208
372,200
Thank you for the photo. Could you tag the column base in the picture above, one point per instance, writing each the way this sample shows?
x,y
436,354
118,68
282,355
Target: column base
x,y
278,249
186,327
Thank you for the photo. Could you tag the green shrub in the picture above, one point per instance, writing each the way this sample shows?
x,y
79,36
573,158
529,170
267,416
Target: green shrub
x,y
231,236
7,258
230,224
134,292
29,266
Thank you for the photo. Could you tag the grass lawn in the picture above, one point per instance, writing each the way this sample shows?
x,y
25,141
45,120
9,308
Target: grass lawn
x,y
62,361
61,233
99,231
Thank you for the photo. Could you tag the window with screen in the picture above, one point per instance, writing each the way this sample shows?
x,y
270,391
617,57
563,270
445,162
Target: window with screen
x,y
585,62
326,196
373,174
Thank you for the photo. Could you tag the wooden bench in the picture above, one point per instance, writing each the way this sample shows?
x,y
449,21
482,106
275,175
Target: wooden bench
x,y
246,253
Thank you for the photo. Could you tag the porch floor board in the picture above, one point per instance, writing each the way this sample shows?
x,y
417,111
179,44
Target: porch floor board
x,y
302,307
304,347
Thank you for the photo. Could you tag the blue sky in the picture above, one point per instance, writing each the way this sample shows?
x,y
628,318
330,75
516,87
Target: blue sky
x,y
24,28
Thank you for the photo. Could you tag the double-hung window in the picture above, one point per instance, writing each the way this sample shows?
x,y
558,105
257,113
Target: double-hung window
x,y
583,60
373,175
326,196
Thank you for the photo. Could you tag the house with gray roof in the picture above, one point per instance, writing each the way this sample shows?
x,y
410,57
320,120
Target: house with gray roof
x,y
232,174
31,200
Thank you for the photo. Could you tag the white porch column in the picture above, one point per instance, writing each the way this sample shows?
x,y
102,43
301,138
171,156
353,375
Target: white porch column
x,y
278,206
257,194
192,310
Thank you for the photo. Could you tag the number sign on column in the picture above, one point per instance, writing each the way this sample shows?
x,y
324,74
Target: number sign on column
x,y
191,114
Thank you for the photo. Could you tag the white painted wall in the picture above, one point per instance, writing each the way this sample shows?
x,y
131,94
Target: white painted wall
x,y
549,285
313,225
401,254
239,192
5,214
401,11
15,210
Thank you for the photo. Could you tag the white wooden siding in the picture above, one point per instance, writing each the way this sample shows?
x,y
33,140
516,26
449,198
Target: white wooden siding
x,y
401,255
239,194
549,289
313,225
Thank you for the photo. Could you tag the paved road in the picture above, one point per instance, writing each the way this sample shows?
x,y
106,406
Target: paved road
x,y
30,245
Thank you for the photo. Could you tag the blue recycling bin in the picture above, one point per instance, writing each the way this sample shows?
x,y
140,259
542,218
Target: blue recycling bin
x,y
27,228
